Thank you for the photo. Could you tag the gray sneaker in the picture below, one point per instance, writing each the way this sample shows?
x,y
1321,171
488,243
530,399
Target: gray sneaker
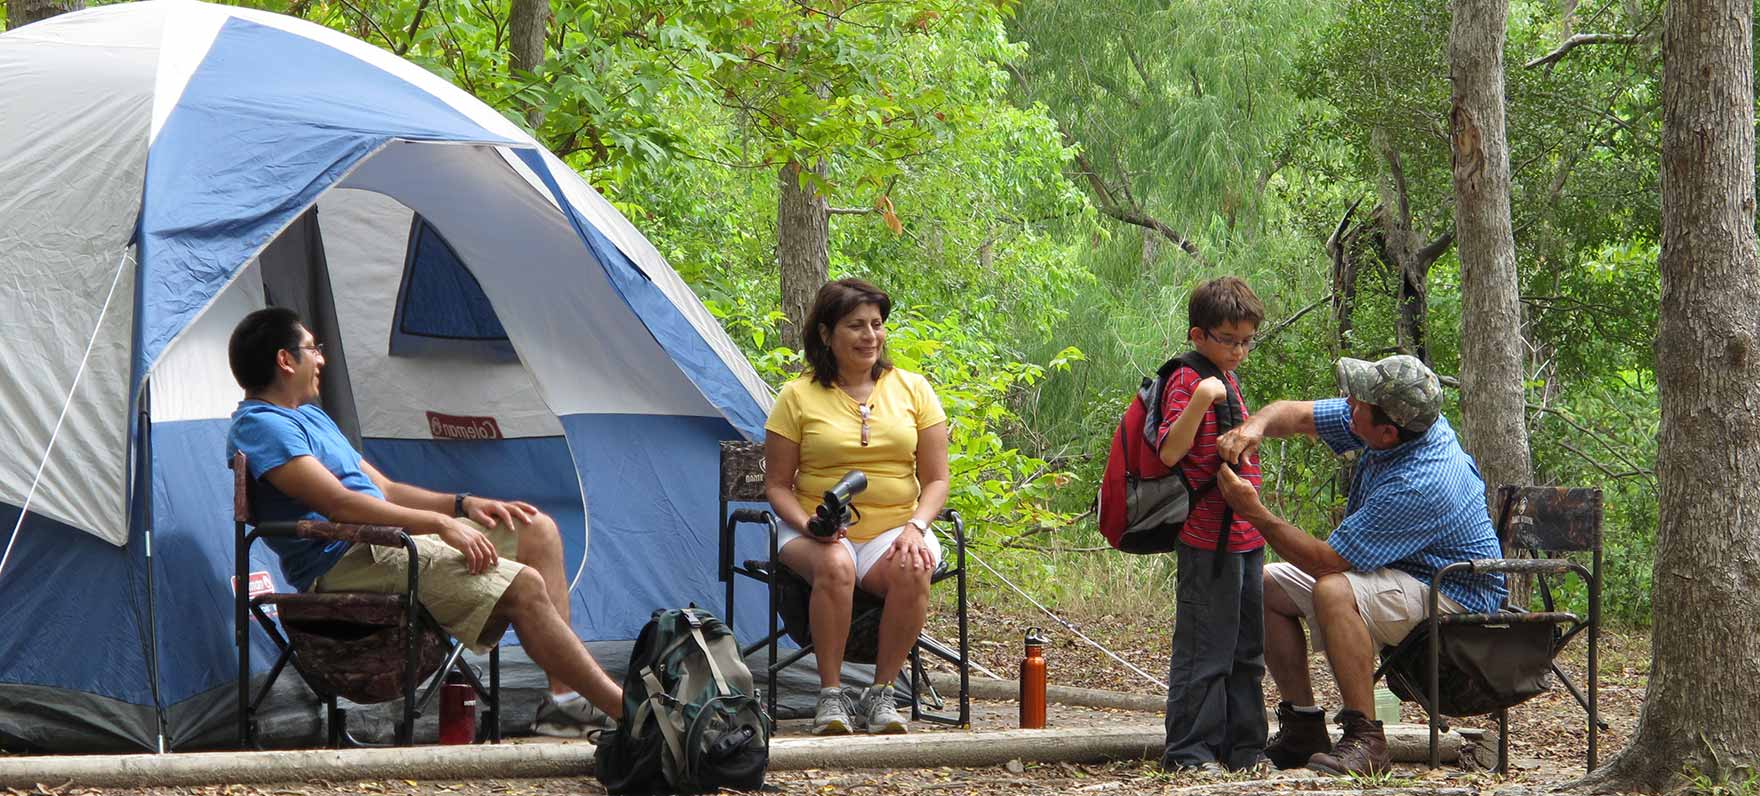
x,y
574,717
831,715
879,709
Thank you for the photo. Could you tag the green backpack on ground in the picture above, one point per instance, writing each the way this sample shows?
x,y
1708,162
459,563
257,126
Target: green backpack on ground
x,y
692,721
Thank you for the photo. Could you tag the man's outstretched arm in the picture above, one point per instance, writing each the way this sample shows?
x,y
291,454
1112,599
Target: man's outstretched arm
x,y
305,480
1278,420
1293,544
488,512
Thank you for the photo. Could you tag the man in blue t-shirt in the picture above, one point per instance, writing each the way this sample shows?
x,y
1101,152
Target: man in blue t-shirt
x,y
1417,504
485,564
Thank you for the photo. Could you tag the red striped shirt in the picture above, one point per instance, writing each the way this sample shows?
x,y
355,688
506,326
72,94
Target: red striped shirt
x,y
1200,465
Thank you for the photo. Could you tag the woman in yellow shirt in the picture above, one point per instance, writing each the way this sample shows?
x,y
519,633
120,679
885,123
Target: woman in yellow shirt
x,y
852,410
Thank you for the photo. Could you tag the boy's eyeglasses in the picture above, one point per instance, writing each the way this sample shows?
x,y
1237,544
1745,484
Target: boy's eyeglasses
x,y
1244,345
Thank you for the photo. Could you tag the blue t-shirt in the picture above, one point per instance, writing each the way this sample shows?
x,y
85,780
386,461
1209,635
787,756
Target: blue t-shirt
x,y
271,436
1415,507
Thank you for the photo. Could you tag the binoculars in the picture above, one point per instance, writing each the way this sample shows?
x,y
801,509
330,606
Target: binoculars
x,y
834,512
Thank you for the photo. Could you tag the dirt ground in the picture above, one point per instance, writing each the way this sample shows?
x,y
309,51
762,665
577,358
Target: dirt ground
x,y
1547,735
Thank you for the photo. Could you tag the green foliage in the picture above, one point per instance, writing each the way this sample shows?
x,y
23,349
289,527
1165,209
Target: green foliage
x,y
1743,781
972,134
1178,104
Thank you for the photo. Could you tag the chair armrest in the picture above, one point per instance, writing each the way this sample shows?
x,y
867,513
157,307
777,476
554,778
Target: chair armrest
x,y
758,516
736,518
1529,566
952,519
1510,618
381,535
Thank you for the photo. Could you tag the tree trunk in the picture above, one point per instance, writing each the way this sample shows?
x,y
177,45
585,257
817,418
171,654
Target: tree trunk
x,y
1342,248
24,12
1400,249
803,246
527,21
1492,407
1704,689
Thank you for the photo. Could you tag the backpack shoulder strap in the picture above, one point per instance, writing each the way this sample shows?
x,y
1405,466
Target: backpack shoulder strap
x,y
1230,413
1151,393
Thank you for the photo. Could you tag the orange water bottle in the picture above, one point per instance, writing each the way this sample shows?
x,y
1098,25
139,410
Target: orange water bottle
x,y
1033,681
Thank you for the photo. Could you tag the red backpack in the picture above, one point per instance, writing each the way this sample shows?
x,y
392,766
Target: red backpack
x,y
1144,503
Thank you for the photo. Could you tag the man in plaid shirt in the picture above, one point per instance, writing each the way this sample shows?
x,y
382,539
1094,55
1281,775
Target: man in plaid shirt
x,y
1417,503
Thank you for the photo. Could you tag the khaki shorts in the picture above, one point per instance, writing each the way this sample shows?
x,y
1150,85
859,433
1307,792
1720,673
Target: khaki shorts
x,y
460,601
1391,602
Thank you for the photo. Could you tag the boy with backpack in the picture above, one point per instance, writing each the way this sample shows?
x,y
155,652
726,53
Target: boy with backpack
x,y
1215,699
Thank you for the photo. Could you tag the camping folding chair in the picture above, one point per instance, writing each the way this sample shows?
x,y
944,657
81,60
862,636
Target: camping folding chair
x,y
1500,659
742,481
360,646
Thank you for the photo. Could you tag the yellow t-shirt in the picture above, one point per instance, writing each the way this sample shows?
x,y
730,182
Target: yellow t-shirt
x,y
827,423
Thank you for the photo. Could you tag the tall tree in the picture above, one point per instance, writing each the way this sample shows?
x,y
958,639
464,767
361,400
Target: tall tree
x,y
803,242
1704,687
1493,413
24,12
843,95
527,25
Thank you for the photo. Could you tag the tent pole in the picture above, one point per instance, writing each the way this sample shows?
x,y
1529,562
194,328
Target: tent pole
x,y
144,492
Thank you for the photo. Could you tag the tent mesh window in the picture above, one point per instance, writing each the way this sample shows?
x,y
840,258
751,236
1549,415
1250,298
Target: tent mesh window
x,y
441,307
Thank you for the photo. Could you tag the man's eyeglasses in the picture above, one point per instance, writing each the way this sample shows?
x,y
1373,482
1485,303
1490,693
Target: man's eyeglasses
x,y
1244,345
316,348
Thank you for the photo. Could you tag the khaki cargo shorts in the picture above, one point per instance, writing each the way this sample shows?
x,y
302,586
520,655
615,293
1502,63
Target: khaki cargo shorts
x,y
1391,602
460,601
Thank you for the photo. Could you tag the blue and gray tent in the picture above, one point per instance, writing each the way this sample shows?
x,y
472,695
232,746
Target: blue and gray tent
x,y
491,323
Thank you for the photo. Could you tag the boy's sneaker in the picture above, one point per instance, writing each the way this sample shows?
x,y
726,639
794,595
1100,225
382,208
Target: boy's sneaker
x,y
831,714
569,716
879,711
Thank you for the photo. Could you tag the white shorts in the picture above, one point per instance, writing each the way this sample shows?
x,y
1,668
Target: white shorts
x,y
865,554
1391,602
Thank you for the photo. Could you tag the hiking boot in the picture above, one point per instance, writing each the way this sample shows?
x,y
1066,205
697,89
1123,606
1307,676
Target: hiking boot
x,y
879,710
831,715
1362,750
569,716
1300,735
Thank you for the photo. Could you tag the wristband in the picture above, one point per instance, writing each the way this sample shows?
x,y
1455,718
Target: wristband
x,y
458,503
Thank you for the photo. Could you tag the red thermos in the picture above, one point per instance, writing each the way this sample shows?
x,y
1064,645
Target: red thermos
x,y
458,711
1033,681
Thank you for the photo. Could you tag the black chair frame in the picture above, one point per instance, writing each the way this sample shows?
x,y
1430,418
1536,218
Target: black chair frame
x,y
1549,520
246,606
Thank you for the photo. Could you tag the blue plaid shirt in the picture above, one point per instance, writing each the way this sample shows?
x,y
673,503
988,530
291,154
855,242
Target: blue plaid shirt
x,y
1415,507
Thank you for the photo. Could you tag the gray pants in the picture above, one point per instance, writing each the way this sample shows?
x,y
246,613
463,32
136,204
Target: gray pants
x,y
1215,679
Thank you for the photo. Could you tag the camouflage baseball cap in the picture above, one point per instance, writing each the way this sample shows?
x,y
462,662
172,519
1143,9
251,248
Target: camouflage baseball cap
x,y
1406,390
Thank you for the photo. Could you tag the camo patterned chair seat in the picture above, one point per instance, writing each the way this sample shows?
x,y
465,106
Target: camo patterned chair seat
x,y
365,647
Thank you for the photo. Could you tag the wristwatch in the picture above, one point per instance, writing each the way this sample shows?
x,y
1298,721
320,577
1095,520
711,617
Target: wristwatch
x,y
458,503
921,526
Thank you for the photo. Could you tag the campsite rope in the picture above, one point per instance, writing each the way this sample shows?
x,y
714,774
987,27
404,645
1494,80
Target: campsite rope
x,y
1159,683
55,434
